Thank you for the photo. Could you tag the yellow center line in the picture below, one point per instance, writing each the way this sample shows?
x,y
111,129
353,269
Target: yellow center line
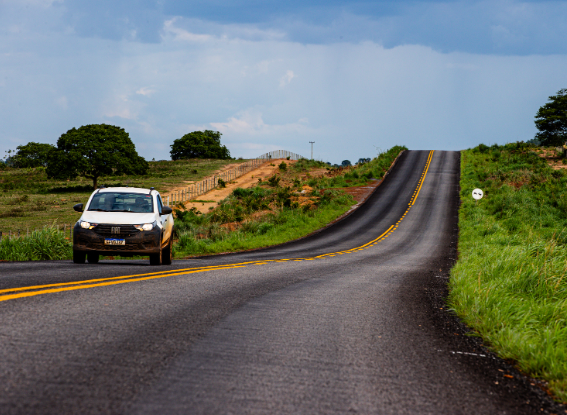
x,y
33,287
83,287
423,176
30,291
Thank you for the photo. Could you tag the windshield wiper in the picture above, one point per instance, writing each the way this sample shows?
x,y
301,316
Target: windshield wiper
x,y
99,210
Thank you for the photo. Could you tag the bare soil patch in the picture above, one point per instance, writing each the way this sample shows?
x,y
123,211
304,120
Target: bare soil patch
x,y
250,179
553,158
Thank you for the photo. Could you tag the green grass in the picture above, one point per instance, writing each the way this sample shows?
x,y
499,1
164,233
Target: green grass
x,y
510,282
29,200
48,243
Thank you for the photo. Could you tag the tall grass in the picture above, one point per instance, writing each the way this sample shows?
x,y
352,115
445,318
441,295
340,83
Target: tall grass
x,y
510,282
48,243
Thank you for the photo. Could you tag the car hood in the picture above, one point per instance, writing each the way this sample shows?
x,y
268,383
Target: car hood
x,y
118,218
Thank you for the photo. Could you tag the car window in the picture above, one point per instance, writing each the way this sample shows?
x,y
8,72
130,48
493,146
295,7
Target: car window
x,y
121,202
160,205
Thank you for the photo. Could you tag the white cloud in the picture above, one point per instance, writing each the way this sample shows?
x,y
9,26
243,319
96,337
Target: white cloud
x,y
181,28
251,123
145,91
179,34
286,79
123,112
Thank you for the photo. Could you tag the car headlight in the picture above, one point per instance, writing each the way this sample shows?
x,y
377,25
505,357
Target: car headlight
x,y
145,226
87,225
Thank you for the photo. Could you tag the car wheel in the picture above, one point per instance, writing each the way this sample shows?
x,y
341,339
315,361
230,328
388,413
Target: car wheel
x,y
166,256
92,258
155,259
79,257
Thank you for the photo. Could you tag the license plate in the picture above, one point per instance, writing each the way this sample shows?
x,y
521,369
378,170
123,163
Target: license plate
x,y
115,241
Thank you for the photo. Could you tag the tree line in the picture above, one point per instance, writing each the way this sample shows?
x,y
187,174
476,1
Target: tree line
x,y
98,150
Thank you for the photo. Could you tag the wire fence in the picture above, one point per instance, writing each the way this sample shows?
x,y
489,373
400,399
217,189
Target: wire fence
x,y
280,154
200,188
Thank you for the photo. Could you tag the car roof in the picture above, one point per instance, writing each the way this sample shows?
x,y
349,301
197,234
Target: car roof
x,y
124,190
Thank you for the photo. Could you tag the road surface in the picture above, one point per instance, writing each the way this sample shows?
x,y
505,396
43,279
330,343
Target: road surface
x,y
348,320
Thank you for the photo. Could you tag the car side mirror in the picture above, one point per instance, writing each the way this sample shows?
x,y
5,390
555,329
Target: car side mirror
x,y
78,207
166,210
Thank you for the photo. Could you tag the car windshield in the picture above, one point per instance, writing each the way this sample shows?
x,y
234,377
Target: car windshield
x,y
122,202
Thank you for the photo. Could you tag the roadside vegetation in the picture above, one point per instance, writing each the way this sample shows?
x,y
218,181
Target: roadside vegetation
x,y
44,244
510,281
299,199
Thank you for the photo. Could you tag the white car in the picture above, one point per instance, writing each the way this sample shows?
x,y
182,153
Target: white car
x,y
124,221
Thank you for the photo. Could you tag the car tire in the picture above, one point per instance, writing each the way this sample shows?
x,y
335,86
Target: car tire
x,y
92,258
155,259
166,254
79,257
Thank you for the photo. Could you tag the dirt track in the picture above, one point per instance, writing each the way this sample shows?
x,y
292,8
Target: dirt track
x,y
248,180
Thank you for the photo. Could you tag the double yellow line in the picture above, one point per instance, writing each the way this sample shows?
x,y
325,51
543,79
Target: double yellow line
x,y
30,291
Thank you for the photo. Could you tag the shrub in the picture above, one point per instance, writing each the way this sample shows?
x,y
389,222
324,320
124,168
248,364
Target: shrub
x,y
274,181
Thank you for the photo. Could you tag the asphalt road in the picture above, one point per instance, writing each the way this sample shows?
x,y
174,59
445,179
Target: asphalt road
x,y
348,320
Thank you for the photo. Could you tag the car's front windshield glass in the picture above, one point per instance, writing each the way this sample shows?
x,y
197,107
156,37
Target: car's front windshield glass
x,y
122,202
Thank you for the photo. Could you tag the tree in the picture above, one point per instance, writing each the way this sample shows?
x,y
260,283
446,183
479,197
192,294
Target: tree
x,y
199,144
32,155
551,120
346,163
93,151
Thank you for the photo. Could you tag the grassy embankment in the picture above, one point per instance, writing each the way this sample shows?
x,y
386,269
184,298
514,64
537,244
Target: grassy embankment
x,y
290,205
510,282
29,200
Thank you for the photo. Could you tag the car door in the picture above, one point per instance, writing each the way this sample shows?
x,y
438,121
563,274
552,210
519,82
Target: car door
x,y
166,221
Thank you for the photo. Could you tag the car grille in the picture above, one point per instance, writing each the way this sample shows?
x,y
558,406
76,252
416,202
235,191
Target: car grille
x,y
110,231
127,247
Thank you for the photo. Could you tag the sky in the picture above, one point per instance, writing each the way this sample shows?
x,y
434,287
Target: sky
x,y
356,77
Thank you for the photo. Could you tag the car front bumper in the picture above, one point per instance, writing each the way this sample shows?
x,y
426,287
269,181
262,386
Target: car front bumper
x,y
136,242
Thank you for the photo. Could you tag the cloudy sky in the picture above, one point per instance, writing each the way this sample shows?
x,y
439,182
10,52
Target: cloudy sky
x,y
354,76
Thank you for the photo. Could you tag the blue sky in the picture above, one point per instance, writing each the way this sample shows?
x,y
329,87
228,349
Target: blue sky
x,y
352,76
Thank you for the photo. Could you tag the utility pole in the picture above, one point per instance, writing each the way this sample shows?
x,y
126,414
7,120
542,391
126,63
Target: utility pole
x,y
312,142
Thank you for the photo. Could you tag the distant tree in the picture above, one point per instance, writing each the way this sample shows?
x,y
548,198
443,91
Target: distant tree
x,y
94,151
346,163
551,120
199,144
8,159
32,155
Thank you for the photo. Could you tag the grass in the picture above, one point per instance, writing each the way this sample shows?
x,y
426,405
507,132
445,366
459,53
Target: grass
x,y
510,282
46,244
29,200
298,200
